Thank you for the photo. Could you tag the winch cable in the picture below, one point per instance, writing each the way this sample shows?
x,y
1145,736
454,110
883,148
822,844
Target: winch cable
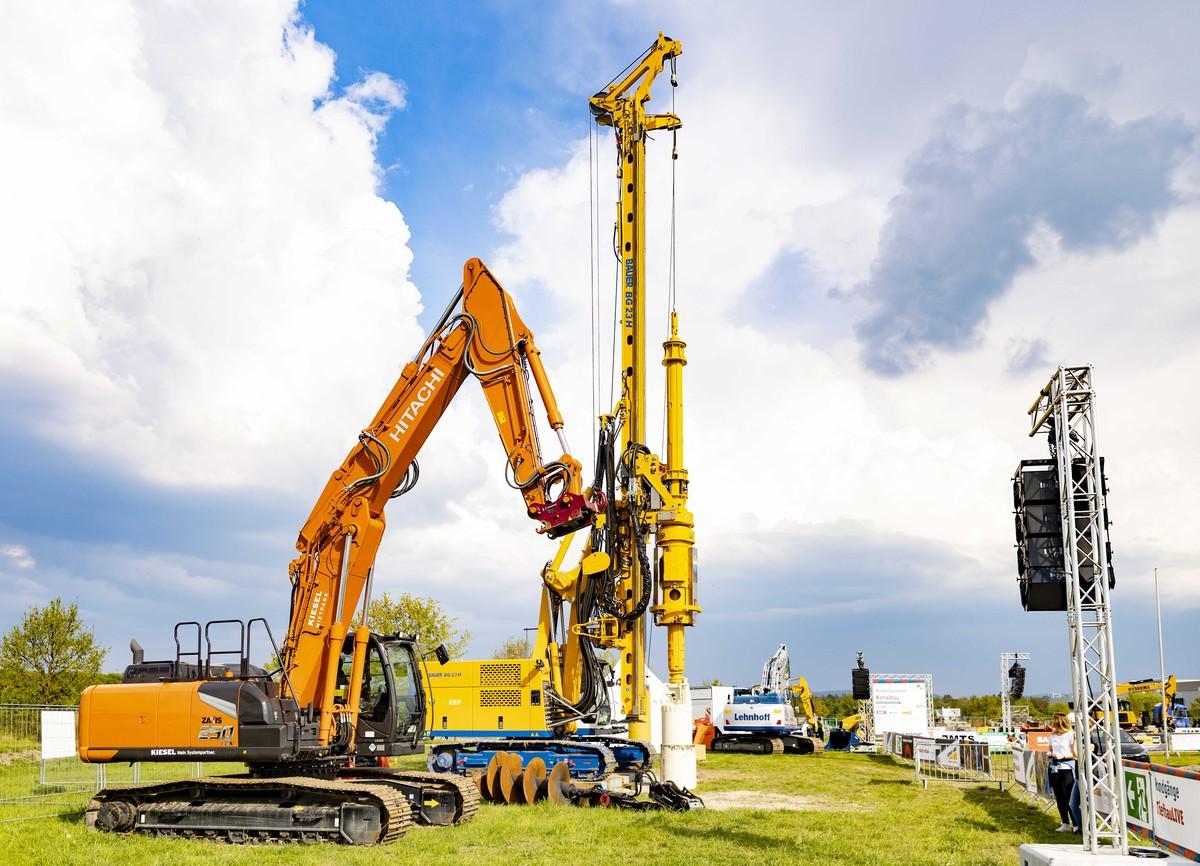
x,y
593,298
671,279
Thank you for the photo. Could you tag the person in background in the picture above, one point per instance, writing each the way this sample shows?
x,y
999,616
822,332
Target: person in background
x,y
1062,770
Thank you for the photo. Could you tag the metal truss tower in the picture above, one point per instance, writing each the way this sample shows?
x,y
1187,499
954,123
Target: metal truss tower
x,y
866,716
1066,410
1006,662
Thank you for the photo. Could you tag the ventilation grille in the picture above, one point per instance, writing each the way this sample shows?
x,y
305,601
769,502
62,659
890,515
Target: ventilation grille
x,y
508,674
500,698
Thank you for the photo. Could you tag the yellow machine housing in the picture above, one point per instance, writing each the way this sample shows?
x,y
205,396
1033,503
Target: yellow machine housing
x,y
495,698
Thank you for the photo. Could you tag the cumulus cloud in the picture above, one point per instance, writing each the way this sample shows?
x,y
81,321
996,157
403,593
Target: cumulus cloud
x,y
203,296
374,98
958,233
834,505
201,283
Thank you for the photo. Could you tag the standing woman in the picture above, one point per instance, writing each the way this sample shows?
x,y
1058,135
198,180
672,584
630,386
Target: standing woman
x,y
1062,768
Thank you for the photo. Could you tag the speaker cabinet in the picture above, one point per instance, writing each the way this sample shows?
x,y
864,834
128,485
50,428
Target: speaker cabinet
x,y
860,682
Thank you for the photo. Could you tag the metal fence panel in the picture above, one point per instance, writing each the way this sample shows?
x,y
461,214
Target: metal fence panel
x,y
959,761
948,759
31,787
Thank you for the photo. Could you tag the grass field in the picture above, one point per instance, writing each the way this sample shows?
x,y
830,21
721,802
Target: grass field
x,y
847,809
1180,759
12,743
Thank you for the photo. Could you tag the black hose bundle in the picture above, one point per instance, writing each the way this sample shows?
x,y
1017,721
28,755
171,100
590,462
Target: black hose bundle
x,y
605,539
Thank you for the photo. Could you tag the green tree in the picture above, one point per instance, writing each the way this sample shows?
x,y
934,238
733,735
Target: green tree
x,y
1144,702
421,616
514,648
50,657
408,615
1194,709
836,705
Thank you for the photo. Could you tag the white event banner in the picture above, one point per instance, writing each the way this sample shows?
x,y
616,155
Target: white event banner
x,y
1163,803
1019,774
1186,739
900,706
58,734
949,755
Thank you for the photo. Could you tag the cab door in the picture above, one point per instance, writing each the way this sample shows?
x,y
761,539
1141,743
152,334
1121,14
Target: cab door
x,y
376,706
409,721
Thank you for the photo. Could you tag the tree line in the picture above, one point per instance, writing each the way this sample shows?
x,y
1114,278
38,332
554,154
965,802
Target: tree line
x,y
1041,707
51,656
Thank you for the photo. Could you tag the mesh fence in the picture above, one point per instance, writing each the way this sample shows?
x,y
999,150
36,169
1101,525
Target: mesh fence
x,y
34,787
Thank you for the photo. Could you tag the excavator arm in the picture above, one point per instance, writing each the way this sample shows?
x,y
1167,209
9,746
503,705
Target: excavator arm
x,y
337,546
1137,686
803,695
777,671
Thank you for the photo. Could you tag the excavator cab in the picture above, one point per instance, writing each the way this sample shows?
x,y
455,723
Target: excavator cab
x,y
391,704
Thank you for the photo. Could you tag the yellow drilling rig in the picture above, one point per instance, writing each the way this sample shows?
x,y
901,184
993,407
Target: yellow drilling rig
x,y
533,707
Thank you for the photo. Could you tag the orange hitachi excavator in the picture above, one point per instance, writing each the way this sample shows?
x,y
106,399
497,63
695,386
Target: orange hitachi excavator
x,y
315,735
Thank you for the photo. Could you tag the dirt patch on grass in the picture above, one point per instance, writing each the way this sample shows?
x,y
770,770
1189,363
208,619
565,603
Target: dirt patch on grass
x,y
7,758
720,800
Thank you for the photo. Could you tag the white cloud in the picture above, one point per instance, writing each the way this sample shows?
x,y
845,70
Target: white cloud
x,y
202,283
786,429
378,88
208,290
17,555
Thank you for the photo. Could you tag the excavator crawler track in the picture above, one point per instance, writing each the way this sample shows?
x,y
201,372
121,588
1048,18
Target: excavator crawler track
x,y
246,810
750,745
436,799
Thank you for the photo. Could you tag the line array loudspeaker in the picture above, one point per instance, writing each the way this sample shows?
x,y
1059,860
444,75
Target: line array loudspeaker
x,y
860,682
1038,524
1041,557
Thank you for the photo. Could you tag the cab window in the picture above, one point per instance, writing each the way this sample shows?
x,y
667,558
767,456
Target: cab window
x,y
407,692
375,697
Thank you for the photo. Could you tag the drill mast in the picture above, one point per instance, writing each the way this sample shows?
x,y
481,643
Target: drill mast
x,y
653,497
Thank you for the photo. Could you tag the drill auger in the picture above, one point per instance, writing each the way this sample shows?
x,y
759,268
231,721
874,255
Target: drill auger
x,y
505,781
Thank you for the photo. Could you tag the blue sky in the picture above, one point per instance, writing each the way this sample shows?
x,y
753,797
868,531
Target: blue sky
x,y
488,99
892,224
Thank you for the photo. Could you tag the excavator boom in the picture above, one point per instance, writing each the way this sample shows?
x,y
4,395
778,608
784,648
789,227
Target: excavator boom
x,y
338,543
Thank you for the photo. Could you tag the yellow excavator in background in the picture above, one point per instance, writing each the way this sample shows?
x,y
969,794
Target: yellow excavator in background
x,y
316,735
1126,717
802,700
